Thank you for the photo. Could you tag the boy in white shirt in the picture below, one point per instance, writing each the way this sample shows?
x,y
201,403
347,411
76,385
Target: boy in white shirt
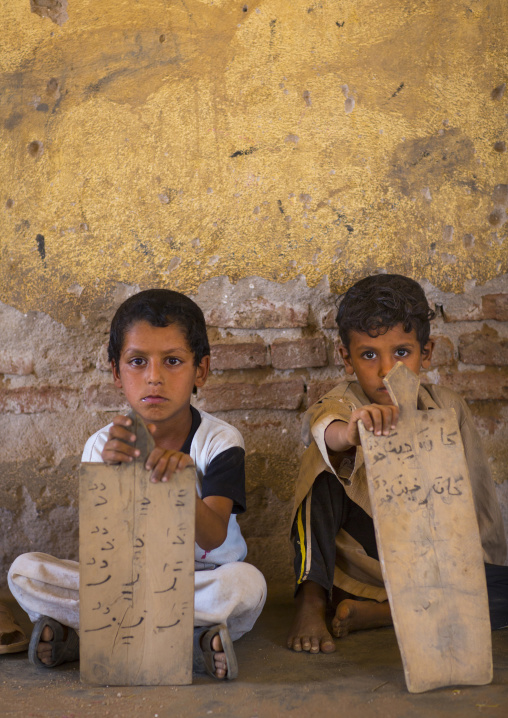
x,y
159,353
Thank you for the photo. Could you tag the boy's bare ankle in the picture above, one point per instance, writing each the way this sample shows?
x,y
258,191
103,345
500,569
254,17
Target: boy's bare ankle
x,y
311,594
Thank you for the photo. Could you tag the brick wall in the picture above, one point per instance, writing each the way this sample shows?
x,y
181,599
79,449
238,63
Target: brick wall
x,y
274,352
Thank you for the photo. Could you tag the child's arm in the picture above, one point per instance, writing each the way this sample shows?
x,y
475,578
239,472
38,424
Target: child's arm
x,y
212,519
212,512
379,418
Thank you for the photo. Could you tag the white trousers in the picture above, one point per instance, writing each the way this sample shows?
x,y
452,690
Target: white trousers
x,y
233,594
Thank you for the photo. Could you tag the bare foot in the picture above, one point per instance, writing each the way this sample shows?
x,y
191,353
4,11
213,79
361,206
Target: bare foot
x,y
308,631
44,646
52,643
221,665
358,615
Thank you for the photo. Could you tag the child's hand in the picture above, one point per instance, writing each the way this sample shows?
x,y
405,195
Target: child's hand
x,y
378,418
163,463
119,449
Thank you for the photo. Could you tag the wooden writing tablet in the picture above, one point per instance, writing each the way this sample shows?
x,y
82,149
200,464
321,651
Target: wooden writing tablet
x,y
428,542
136,557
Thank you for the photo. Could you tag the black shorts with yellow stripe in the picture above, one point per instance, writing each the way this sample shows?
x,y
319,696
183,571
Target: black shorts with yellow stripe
x,y
325,510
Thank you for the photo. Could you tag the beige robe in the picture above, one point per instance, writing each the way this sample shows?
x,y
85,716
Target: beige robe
x,y
355,572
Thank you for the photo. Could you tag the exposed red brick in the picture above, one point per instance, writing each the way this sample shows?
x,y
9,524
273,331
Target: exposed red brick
x,y
328,319
484,347
477,385
461,309
319,387
35,400
491,417
230,395
104,397
299,353
21,364
258,313
495,306
65,359
73,364
238,355
443,354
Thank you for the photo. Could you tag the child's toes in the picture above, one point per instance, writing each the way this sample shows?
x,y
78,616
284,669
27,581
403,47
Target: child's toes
x,y
295,644
216,643
306,643
327,645
47,634
44,652
221,666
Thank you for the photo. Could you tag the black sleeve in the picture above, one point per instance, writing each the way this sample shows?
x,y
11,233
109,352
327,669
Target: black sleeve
x,y
225,476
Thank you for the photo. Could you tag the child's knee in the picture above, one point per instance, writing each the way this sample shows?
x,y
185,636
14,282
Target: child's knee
x,y
257,581
20,564
247,580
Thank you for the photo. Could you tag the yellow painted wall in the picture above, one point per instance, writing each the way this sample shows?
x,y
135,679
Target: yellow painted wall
x,y
262,156
171,141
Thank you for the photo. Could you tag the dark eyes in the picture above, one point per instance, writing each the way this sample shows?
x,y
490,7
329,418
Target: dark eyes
x,y
140,361
398,352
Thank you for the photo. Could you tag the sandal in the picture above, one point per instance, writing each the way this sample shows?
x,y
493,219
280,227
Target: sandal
x,y
227,648
63,650
12,636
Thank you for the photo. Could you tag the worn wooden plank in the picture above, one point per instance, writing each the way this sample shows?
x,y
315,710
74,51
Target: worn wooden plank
x,y
136,573
429,544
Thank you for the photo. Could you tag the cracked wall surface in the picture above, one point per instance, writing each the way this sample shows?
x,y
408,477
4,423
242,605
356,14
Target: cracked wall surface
x,y
260,156
273,354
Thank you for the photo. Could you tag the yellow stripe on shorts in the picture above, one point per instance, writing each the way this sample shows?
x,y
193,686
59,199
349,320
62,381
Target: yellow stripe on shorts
x,y
301,536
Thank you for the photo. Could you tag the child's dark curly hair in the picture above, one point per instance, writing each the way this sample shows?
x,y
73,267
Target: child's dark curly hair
x,y
377,303
160,308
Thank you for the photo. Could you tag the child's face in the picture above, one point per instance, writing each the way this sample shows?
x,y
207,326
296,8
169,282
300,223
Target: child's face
x,y
157,373
371,358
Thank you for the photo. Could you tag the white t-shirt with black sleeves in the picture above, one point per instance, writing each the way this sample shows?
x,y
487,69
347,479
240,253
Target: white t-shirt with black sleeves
x,y
218,453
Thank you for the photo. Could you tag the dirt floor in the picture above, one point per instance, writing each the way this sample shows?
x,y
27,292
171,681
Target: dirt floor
x,y
363,678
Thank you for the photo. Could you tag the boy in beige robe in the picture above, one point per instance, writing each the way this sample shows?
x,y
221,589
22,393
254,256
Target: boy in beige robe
x,y
382,319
